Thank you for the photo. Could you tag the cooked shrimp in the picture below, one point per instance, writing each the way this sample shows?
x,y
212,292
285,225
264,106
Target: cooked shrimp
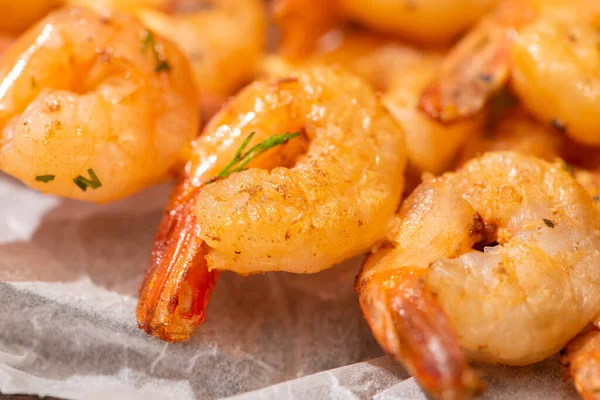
x,y
375,58
516,131
423,21
582,357
80,93
301,24
400,72
20,15
223,39
297,209
432,22
431,145
548,49
534,286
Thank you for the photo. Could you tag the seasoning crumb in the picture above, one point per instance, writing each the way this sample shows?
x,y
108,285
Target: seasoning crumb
x,y
559,125
549,223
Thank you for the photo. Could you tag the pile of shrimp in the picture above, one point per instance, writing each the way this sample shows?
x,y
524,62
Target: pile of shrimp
x,y
453,143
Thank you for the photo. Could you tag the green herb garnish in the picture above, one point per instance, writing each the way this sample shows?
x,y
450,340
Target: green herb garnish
x,y
84,183
149,43
44,178
240,159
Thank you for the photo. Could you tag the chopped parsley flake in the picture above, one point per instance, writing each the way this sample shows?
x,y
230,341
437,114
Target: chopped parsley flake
x,y
44,178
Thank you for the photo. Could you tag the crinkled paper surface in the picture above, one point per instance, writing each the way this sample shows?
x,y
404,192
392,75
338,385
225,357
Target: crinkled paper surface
x,y
69,273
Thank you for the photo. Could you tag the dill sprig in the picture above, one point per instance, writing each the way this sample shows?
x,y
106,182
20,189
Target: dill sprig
x,y
241,159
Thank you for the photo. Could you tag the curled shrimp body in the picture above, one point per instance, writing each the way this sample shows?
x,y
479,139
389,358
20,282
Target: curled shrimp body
x,y
400,72
516,302
549,52
302,207
80,91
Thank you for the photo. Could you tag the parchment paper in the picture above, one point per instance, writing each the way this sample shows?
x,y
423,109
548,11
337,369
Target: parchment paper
x,y
69,274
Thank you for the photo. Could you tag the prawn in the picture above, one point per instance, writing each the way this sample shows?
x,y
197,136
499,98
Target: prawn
x,y
302,207
400,72
419,21
548,50
93,107
303,23
224,40
516,131
500,258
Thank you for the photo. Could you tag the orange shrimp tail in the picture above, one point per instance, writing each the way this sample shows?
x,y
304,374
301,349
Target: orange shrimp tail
x,y
178,285
409,323
582,358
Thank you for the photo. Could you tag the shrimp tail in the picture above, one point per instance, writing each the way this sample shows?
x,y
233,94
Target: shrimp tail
x,y
477,68
178,285
581,356
410,324
472,74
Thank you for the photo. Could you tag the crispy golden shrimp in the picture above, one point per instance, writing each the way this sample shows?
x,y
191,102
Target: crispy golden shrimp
x,y
93,107
20,15
401,73
534,285
375,58
429,22
301,24
431,146
547,49
423,21
582,358
303,207
223,39
516,131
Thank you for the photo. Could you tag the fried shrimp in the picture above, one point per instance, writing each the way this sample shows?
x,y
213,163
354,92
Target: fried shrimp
x,y
96,103
547,49
20,15
321,198
422,21
303,22
400,72
582,357
223,39
516,131
534,285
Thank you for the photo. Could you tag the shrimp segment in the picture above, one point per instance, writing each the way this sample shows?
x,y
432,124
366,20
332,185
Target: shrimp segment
x,y
582,357
512,303
400,72
224,41
301,207
549,52
420,20
81,92
20,15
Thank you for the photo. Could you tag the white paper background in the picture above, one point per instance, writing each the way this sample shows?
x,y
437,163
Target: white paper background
x,y
69,274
